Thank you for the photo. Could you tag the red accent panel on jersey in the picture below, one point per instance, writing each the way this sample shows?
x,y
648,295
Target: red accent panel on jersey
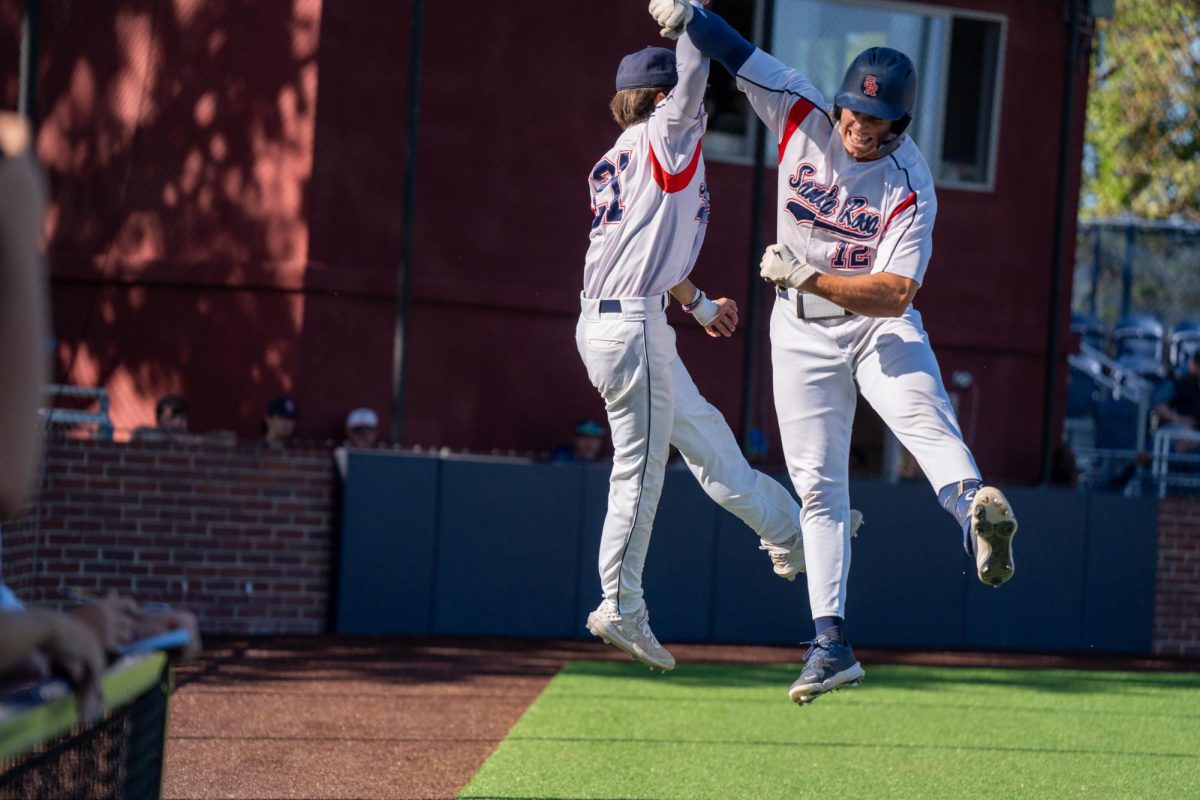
x,y
911,200
799,111
680,180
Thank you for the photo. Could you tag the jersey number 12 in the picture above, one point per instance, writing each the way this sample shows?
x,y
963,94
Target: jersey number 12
x,y
848,256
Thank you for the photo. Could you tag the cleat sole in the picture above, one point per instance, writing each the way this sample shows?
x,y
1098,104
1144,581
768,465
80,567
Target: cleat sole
x,y
994,523
850,677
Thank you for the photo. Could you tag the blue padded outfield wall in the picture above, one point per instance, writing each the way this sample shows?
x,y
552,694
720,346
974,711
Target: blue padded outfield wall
x,y
494,547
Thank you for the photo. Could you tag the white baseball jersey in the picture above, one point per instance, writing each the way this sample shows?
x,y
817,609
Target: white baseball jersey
x,y
649,203
837,214
848,217
650,208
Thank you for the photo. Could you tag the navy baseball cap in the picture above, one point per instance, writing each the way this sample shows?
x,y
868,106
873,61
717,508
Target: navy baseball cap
x,y
651,67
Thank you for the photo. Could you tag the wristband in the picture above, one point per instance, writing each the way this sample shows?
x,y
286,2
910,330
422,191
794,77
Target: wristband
x,y
696,301
704,310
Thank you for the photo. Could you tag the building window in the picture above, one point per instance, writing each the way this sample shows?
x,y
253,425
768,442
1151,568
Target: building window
x,y
959,59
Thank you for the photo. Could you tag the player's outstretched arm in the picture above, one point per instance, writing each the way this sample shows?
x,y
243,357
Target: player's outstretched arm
x,y
693,78
712,35
773,88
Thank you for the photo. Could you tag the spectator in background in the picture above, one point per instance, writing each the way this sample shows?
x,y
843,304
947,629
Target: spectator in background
x,y
587,443
170,421
362,428
279,422
171,414
1177,403
362,432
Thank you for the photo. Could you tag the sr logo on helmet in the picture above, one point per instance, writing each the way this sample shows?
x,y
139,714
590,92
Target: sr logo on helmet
x,y
881,82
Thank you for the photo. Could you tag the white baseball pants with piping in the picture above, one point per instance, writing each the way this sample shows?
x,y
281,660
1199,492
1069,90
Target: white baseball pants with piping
x,y
652,402
816,364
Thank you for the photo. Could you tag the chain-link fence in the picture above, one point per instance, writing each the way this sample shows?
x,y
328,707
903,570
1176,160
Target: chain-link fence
x,y
1125,267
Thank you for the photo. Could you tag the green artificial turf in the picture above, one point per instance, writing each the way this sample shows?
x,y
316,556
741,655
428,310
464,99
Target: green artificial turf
x,y
615,730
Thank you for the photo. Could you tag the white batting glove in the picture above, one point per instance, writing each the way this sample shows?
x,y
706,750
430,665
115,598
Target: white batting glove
x,y
781,267
671,15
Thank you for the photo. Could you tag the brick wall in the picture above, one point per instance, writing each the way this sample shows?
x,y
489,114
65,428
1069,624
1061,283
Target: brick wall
x,y
1177,595
239,535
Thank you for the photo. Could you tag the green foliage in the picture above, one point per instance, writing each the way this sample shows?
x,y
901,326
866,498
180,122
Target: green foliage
x,y
1143,116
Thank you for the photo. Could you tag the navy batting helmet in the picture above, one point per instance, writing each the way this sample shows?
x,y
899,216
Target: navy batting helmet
x,y
881,82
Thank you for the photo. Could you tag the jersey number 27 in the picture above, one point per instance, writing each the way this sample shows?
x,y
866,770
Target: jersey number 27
x,y
606,177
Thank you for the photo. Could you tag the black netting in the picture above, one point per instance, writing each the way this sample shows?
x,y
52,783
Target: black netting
x,y
119,757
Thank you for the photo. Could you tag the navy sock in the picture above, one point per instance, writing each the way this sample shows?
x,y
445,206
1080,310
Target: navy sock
x,y
830,626
956,499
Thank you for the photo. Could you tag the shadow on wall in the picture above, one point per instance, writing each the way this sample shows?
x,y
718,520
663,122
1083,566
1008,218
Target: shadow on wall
x,y
178,140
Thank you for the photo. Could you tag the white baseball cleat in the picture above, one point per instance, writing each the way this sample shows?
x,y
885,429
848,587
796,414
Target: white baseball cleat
x,y
993,525
631,633
787,558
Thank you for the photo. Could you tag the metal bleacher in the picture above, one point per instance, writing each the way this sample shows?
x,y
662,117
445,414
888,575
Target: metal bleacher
x,y
93,420
1175,457
1110,401
1108,413
1138,341
1183,341
1091,330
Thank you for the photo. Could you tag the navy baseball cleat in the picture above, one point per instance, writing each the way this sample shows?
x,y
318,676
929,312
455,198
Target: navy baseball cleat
x,y
787,558
992,527
828,666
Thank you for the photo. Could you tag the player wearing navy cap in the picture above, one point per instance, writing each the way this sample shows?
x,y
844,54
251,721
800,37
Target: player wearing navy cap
x,y
855,214
650,208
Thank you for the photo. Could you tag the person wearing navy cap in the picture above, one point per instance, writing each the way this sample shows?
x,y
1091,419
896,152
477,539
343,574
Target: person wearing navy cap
x,y
279,422
650,205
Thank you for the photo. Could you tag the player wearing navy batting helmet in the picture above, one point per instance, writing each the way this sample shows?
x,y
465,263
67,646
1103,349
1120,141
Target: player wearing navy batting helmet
x,y
854,219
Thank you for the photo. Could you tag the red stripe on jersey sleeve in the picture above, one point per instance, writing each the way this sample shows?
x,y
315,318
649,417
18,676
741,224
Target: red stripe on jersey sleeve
x,y
799,111
911,200
680,180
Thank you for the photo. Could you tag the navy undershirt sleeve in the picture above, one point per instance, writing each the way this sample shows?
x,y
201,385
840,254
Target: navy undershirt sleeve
x,y
716,39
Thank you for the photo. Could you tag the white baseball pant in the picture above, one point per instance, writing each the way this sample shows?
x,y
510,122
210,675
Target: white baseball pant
x,y
816,364
651,402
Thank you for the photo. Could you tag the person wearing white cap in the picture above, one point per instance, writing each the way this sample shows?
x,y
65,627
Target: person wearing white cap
x,y
362,428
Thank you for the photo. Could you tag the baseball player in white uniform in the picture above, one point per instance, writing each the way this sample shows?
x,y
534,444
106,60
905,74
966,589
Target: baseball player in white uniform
x,y
650,207
855,215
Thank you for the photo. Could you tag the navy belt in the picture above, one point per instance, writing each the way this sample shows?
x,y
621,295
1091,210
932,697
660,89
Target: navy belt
x,y
614,306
